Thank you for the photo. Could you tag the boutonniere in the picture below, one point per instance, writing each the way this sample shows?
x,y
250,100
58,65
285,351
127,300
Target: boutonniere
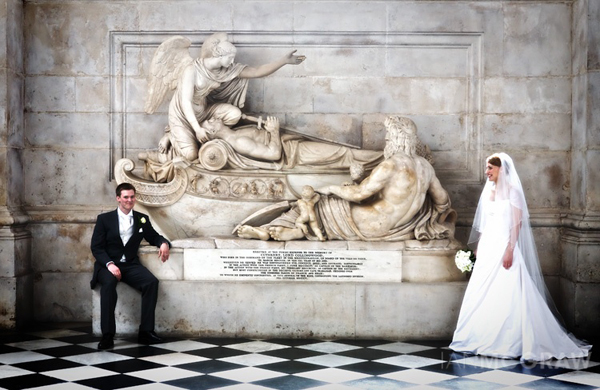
x,y
143,220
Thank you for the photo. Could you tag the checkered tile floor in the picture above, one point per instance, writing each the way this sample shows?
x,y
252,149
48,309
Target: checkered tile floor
x,y
65,357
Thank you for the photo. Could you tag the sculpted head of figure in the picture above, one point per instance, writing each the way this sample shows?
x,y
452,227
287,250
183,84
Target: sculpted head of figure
x,y
401,135
216,46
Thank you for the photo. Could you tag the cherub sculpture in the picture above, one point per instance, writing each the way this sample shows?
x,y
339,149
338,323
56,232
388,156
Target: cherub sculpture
x,y
212,86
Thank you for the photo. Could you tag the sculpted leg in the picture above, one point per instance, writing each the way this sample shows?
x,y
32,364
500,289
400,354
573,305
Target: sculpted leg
x,y
257,233
280,233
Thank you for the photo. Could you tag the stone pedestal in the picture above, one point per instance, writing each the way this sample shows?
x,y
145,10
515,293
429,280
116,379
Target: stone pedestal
x,y
242,288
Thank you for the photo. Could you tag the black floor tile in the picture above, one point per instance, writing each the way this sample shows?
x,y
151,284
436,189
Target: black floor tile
x,y
113,382
290,382
27,381
204,382
209,366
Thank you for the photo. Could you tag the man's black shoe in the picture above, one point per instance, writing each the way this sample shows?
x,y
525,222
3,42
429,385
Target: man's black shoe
x,y
149,338
106,342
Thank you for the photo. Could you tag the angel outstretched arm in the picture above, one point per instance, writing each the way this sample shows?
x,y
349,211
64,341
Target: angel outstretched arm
x,y
270,68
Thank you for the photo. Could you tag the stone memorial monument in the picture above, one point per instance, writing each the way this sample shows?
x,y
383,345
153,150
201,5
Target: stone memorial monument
x,y
389,230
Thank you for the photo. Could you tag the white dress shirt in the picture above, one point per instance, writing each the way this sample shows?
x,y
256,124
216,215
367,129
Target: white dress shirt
x,y
125,227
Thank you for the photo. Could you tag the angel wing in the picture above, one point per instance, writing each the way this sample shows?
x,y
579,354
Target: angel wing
x,y
169,61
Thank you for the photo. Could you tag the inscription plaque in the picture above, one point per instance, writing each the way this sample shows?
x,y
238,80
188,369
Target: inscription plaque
x,y
296,265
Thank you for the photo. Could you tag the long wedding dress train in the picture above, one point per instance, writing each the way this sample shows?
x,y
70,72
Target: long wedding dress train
x,y
503,313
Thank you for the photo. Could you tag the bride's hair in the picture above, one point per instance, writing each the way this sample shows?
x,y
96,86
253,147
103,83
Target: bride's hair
x,y
494,160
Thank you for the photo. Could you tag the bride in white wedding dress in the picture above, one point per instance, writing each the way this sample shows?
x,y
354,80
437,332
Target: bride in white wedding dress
x,y
506,311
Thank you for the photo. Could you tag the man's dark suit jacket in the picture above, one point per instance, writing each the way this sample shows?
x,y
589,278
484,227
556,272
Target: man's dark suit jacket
x,y
107,244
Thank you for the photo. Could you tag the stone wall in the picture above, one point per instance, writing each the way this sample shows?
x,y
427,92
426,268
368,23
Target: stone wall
x,y
476,77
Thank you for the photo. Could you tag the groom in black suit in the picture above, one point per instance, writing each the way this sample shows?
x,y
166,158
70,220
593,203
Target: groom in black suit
x,y
115,243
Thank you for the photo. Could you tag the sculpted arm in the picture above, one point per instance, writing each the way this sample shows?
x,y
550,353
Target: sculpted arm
x,y
369,187
270,68
439,195
187,103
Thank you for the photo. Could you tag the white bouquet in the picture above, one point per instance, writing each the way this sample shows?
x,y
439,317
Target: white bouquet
x,y
465,260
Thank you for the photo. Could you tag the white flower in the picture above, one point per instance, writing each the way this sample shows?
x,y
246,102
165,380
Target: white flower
x,y
463,261
143,220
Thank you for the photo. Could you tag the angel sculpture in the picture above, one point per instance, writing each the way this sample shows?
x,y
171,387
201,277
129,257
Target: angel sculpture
x,y
209,87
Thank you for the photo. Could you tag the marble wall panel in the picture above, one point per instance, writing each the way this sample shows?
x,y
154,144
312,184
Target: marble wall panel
x,y
579,180
544,176
527,95
67,177
289,95
593,106
547,241
62,247
69,300
3,37
579,36
534,131
587,307
16,179
15,248
186,15
593,26
67,130
579,111
468,17
340,16
92,94
537,39
378,315
43,93
593,180
14,108
8,302
14,34
64,39
263,15
144,131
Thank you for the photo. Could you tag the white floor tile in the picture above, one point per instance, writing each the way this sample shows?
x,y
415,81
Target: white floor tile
x,y
248,374
257,346
21,357
410,361
580,377
96,358
419,377
79,373
333,375
184,345
401,347
164,374
486,362
331,360
329,347
174,359
10,371
503,377
32,345
62,386
252,359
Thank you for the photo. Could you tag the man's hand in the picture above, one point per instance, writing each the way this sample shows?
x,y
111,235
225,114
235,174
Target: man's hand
x,y
113,269
163,252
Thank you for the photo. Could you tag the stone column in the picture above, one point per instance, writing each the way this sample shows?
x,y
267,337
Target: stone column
x,y
16,281
580,283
